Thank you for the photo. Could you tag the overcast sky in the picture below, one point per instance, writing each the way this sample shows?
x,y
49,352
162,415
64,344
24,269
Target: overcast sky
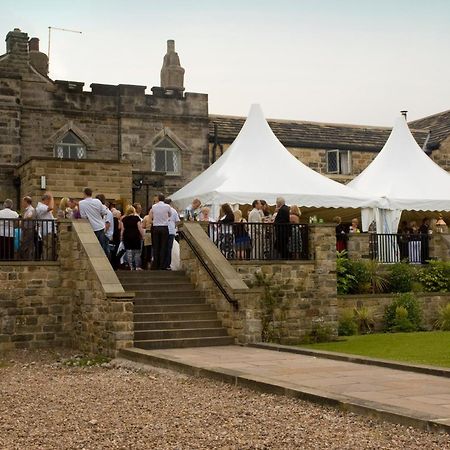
x,y
347,61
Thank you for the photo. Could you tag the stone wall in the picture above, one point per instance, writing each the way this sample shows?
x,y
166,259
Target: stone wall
x,y
358,245
308,287
243,322
430,302
68,178
35,312
77,301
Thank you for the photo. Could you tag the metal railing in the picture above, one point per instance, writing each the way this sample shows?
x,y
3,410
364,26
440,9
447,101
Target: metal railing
x,y
28,240
392,248
205,265
260,241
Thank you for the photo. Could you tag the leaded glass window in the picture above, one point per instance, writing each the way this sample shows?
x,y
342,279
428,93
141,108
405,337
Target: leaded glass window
x,y
70,147
166,157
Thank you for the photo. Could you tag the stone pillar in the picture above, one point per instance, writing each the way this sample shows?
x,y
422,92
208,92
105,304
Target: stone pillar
x,y
322,248
358,245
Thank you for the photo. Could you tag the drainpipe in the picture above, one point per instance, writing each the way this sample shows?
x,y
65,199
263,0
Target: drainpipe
x,y
119,125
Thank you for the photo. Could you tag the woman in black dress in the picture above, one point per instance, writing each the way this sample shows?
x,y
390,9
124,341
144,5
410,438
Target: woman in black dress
x,y
132,235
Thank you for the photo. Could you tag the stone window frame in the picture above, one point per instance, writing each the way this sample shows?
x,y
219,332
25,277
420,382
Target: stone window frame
x,y
57,137
71,147
151,147
339,170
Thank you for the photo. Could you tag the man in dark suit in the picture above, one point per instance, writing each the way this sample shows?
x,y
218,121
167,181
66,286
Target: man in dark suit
x,y
282,229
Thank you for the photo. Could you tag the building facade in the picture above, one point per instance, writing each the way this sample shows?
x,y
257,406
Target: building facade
x,y
129,144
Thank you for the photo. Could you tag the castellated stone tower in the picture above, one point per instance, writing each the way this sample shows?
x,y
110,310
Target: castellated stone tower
x,y
172,74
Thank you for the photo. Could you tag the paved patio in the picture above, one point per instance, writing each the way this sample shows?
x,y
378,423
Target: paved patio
x,y
405,397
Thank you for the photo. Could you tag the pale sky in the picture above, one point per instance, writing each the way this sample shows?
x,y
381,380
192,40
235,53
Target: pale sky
x,y
345,61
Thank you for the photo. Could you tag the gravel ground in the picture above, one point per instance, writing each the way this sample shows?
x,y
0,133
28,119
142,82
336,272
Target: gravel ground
x,y
47,405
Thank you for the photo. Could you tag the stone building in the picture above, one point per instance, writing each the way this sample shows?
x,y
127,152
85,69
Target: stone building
x,y
54,135
129,144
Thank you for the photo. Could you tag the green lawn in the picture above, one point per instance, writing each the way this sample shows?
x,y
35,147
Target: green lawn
x,y
431,347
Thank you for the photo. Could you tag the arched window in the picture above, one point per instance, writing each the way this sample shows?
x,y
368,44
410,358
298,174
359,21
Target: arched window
x,y
166,157
70,147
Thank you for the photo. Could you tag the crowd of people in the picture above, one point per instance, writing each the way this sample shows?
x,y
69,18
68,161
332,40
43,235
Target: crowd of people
x,y
138,241
265,235
128,239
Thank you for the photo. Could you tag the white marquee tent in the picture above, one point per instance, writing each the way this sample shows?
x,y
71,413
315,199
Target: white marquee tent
x,y
257,166
404,177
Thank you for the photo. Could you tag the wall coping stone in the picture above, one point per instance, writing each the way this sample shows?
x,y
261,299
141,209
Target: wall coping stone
x,y
217,262
272,262
29,263
99,263
392,295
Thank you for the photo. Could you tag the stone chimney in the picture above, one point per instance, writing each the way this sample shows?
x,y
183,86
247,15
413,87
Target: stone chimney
x,y
38,59
172,74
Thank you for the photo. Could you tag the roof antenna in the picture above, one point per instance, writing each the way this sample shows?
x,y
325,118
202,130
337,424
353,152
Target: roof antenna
x,y
404,113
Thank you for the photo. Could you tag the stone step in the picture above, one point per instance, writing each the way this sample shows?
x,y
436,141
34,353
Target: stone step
x,y
163,274
166,294
176,324
172,300
174,316
182,333
184,343
155,284
190,307
144,287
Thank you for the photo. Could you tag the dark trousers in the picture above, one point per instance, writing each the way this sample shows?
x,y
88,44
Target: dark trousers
x,y
160,236
168,260
6,247
104,241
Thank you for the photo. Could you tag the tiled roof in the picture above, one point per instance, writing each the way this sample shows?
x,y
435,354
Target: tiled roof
x,y
312,134
438,124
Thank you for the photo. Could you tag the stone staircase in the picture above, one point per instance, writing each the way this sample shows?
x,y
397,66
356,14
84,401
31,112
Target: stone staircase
x,y
170,313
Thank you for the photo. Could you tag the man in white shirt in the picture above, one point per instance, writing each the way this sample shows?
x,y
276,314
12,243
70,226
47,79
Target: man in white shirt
x,y
46,227
173,221
256,231
109,224
159,216
7,230
93,210
27,245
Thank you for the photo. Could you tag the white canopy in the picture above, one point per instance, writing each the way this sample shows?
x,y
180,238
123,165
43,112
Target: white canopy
x,y
257,166
404,176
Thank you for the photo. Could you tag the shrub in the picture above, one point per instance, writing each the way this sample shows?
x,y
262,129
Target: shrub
x,y
377,278
395,317
320,332
443,322
401,277
361,275
364,319
347,324
345,278
436,276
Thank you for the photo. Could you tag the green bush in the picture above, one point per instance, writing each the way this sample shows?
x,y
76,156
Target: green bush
x,y
401,277
345,278
443,323
364,319
361,275
403,314
436,276
347,323
320,332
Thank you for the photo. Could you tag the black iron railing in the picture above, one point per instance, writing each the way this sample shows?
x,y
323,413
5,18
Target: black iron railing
x,y
260,241
28,240
392,248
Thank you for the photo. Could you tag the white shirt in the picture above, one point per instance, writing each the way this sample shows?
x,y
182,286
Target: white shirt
x,y
42,213
93,210
255,216
29,212
7,227
161,212
109,219
173,219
